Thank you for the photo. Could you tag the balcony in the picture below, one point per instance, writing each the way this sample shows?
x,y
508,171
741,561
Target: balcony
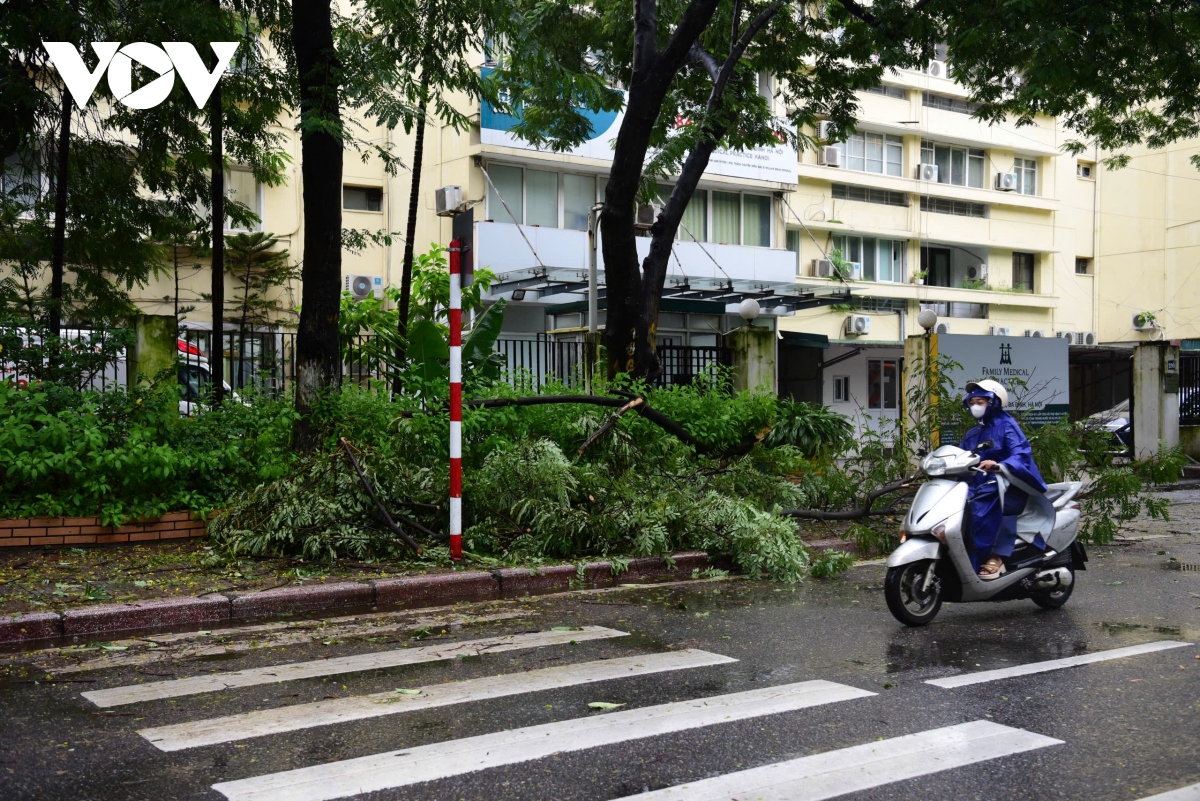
x,y
500,248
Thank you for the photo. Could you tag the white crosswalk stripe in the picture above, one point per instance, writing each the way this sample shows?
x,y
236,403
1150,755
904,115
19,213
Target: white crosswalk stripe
x,y
1189,793
1054,664
118,696
341,710
861,767
467,755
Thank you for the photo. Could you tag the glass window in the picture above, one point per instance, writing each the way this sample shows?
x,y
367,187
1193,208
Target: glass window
x,y
1083,266
1022,277
888,91
881,259
727,218
793,244
1026,170
579,195
757,213
362,198
958,166
882,388
506,191
841,389
241,187
946,103
694,222
870,152
541,198
21,181
959,207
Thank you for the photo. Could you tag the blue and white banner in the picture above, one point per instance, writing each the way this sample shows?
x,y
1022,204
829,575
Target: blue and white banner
x,y
776,164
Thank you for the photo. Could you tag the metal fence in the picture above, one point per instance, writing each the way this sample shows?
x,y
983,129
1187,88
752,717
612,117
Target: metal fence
x,y
265,362
1189,391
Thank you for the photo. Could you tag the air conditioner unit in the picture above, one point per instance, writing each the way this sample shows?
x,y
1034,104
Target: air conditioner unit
x,y
830,156
1000,331
927,172
449,201
362,287
1067,335
942,328
1088,338
855,271
937,69
647,213
824,130
823,268
1143,323
857,325
1035,332
1006,181
977,272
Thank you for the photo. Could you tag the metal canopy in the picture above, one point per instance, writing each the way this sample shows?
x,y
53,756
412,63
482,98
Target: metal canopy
x,y
545,282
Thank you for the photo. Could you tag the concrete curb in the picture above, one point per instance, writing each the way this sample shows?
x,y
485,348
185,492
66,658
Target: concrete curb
x,y
209,609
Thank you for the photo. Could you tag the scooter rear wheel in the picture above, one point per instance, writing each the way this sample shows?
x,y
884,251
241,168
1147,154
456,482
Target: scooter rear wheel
x,y
906,600
1056,598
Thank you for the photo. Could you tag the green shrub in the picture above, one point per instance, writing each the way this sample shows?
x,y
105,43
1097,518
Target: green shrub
x,y
123,454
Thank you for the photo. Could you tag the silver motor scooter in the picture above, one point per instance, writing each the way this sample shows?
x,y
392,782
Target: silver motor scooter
x,y
933,564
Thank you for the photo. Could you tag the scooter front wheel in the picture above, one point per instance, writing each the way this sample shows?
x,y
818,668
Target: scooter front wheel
x,y
908,598
1056,598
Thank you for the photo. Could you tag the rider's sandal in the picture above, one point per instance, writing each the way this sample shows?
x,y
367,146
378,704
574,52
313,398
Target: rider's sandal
x,y
997,569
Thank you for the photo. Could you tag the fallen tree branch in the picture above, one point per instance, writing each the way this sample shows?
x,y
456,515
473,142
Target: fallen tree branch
x,y
645,410
854,514
612,421
387,518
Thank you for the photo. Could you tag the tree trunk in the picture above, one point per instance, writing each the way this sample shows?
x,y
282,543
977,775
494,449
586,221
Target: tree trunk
x,y
317,357
216,351
58,255
410,233
631,350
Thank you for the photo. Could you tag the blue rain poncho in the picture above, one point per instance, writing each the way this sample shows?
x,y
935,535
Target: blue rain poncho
x,y
993,530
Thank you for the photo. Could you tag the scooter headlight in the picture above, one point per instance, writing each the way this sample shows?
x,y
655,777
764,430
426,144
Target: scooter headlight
x,y
935,466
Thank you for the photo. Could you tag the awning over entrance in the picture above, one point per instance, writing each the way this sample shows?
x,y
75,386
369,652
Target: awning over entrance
x,y
804,340
546,283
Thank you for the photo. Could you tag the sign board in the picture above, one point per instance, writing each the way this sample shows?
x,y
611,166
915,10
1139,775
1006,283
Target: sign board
x,y
1033,370
777,164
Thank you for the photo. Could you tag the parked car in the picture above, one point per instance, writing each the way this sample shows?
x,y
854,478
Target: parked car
x,y
1116,421
195,377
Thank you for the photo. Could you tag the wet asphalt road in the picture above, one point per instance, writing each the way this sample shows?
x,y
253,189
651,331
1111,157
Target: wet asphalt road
x,y
1130,727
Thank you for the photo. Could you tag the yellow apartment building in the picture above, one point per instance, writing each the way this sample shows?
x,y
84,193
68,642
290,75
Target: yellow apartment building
x,y
995,228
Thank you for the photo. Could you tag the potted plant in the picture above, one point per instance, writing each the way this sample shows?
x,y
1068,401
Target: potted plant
x,y
918,277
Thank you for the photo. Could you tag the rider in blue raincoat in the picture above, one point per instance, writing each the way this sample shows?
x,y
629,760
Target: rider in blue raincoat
x,y
994,537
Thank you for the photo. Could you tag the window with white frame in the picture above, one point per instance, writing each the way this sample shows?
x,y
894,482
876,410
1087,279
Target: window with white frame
x,y
793,244
726,218
544,198
1026,170
841,389
882,383
23,181
957,166
881,259
242,188
362,198
871,152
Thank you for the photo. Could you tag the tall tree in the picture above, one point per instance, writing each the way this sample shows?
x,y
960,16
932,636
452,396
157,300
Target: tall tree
x,y
318,365
1117,72
690,71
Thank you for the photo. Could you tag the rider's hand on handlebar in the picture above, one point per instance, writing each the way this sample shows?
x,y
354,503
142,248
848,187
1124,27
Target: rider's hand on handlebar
x,y
989,466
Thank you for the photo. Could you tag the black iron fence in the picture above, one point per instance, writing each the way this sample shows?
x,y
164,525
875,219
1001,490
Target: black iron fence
x,y
1189,391
265,362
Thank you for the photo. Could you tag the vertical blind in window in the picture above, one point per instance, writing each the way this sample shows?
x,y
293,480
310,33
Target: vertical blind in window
x,y
507,181
757,230
695,218
727,217
579,195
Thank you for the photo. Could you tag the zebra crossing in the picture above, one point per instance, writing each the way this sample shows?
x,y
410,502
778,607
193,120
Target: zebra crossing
x,y
822,775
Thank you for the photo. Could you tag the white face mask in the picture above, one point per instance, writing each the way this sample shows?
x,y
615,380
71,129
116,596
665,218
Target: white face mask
x,y
978,411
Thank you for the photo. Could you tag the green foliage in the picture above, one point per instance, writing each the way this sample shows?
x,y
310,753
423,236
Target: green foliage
x,y
811,427
77,359
830,564
257,269
841,265
973,283
122,454
529,495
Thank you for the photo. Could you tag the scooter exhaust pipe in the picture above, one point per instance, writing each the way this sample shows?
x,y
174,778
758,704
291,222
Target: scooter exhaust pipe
x,y
1055,579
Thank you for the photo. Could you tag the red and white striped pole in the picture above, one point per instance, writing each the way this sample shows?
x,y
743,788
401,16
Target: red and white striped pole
x,y
455,400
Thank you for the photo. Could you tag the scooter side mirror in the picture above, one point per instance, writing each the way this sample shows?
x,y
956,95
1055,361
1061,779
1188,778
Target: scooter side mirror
x,y
983,446
922,453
